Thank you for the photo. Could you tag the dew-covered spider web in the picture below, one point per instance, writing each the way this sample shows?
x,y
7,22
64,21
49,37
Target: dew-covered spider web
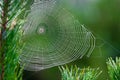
x,y
53,36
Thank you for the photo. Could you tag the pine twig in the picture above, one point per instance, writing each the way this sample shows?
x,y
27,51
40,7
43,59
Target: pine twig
x,y
3,33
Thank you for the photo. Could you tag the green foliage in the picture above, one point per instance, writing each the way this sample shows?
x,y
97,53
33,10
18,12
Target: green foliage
x,y
75,73
12,56
11,33
114,68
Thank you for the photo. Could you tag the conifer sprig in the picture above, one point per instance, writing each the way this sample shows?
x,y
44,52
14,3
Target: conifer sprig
x,y
114,68
10,38
75,73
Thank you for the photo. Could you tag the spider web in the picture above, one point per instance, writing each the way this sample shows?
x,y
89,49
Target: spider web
x,y
53,37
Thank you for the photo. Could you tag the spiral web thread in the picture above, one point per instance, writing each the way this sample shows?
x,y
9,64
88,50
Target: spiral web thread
x,y
53,37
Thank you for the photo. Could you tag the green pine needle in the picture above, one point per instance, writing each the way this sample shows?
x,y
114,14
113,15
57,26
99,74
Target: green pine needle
x,y
114,68
11,32
75,73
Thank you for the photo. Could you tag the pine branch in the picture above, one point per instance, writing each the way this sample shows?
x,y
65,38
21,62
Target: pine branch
x,y
10,38
4,15
114,68
75,73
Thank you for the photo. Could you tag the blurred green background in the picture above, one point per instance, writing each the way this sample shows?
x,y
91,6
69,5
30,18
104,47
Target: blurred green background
x,y
102,18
